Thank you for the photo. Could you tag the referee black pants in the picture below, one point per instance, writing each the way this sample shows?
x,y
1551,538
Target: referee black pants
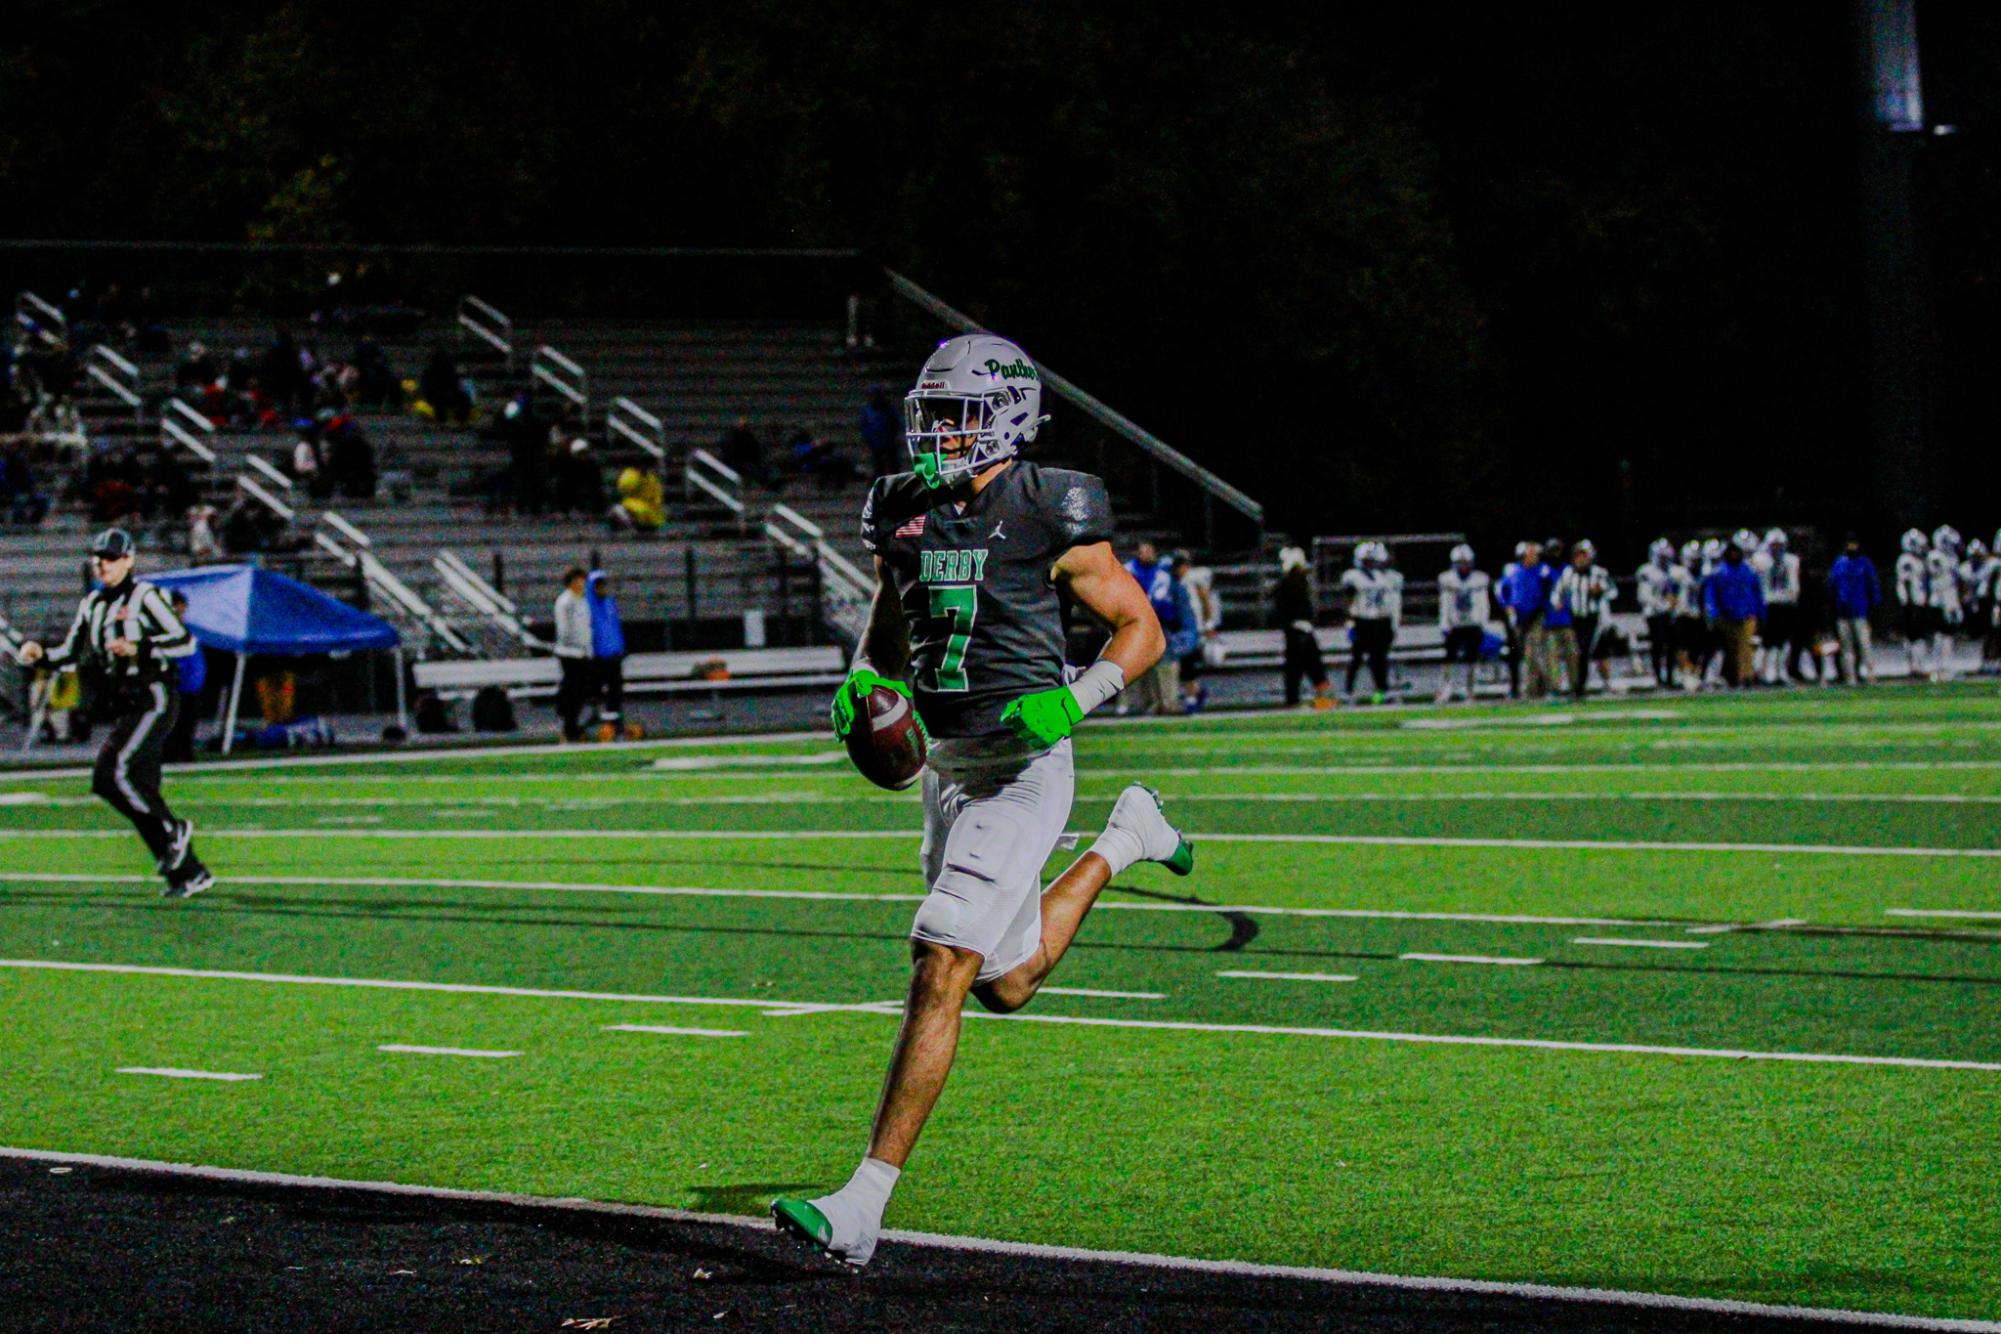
x,y
127,773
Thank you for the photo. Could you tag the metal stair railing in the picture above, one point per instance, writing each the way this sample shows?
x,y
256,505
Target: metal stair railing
x,y
708,474
39,320
494,608
182,425
626,420
563,375
1159,453
401,597
489,326
117,377
845,592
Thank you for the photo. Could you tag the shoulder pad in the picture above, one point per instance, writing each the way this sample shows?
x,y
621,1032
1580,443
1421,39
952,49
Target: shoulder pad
x,y
1076,503
892,500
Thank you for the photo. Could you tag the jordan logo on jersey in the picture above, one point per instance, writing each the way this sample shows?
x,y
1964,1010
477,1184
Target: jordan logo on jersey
x,y
965,566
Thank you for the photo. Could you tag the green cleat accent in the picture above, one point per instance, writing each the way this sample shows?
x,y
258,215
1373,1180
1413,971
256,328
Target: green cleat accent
x,y
1183,860
803,1221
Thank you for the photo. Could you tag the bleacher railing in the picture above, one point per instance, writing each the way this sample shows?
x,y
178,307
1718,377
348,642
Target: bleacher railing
x,y
1212,490
182,425
845,592
495,610
38,320
708,475
403,602
566,377
487,325
629,422
111,372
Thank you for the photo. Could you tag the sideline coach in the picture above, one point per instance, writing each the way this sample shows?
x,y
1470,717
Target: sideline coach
x,y
126,639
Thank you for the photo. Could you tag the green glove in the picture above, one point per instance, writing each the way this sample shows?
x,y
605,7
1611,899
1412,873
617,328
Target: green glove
x,y
859,682
1045,717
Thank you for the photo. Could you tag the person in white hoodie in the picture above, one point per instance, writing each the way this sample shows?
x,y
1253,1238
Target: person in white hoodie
x,y
573,652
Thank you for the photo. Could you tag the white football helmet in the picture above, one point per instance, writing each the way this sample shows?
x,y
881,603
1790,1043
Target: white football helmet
x,y
1691,553
1522,548
1914,542
1462,554
1776,538
978,400
1945,537
1660,550
1744,540
1712,550
1290,558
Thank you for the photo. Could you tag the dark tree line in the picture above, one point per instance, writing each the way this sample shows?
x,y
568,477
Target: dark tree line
x,y
1390,266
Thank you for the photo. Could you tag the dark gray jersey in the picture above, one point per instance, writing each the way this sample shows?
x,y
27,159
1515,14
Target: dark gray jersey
x,y
985,623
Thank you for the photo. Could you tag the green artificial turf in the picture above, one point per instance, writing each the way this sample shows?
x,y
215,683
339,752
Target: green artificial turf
x,y
1831,1184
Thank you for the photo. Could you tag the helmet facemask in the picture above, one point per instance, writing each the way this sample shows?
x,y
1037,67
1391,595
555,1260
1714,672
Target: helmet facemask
x,y
952,436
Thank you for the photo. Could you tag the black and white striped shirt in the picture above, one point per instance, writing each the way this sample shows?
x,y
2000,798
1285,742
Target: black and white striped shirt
x,y
1584,592
136,611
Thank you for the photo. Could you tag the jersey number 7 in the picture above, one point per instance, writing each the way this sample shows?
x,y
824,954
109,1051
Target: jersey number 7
x,y
959,602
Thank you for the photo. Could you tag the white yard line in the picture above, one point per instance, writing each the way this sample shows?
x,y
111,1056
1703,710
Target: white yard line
x,y
1537,1044
1496,960
1286,977
1965,914
1094,991
410,1049
1236,1268
1643,944
35,799
1331,840
170,1072
677,1032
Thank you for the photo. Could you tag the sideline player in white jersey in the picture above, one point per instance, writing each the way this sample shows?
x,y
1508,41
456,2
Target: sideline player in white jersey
x,y
975,552
1464,605
1375,609
1659,595
1978,576
1914,604
1783,636
1691,636
1942,592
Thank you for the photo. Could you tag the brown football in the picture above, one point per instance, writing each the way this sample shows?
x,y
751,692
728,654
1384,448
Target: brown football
x,y
886,744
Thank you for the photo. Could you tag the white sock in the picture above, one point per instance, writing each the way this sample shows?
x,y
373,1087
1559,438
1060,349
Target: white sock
x,y
1120,847
867,1191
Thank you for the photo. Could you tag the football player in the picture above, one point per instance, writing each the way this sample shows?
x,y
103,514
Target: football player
x,y
1942,591
1375,606
1914,598
1659,595
975,552
1977,579
1462,618
1783,633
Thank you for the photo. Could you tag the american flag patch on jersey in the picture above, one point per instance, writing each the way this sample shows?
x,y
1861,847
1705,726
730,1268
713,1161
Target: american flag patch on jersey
x,y
915,528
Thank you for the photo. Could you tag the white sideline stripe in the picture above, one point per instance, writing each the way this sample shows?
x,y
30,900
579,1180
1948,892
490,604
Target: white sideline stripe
x,y
1111,995
982,1245
1643,944
31,799
413,1050
1286,977
392,984
681,1032
169,1072
1537,1044
1119,905
1967,914
1338,840
683,764
1500,961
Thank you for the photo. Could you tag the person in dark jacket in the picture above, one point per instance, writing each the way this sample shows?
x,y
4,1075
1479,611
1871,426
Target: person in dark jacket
x,y
1295,612
1734,598
191,678
1853,592
607,654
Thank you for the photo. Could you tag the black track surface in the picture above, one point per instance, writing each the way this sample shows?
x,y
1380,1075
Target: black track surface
x,y
99,1248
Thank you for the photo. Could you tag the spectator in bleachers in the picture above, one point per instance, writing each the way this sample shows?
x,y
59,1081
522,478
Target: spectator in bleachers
x,y
573,653
204,542
1853,592
197,369
642,502
350,458
442,389
1294,603
308,464
21,499
281,373
819,459
1734,599
576,483
882,433
528,454
744,452
376,384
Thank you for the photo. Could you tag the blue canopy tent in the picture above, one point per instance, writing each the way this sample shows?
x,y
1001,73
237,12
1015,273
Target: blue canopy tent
x,y
245,610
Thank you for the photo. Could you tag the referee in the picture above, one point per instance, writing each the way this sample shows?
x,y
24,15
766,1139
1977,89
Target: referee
x,y
126,639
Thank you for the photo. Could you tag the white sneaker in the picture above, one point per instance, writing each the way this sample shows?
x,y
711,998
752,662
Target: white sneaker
x,y
177,853
832,1224
1139,812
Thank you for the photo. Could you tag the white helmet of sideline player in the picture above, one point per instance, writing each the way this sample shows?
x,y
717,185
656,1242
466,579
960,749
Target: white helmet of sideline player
x,y
1691,553
978,400
1744,540
1462,554
1776,538
1661,550
1712,550
1914,542
1945,537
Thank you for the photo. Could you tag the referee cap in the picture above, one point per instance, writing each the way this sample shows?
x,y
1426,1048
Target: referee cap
x,y
112,544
